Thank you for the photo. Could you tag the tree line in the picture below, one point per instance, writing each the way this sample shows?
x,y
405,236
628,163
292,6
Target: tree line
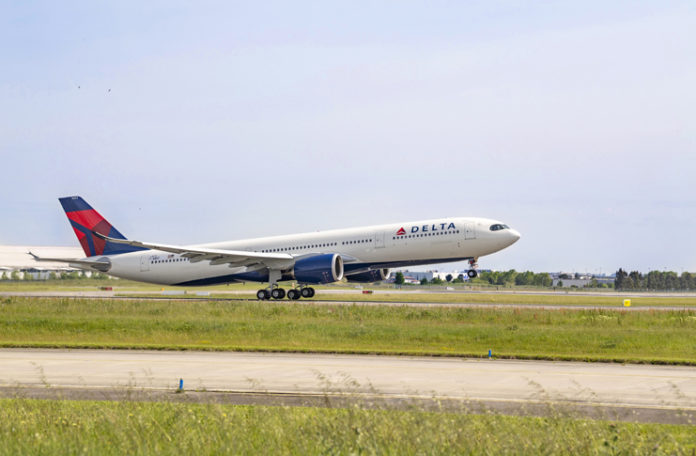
x,y
72,275
654,280
512,277
504,278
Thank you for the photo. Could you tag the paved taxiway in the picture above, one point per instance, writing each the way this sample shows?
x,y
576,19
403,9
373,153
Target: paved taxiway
x,y
630,387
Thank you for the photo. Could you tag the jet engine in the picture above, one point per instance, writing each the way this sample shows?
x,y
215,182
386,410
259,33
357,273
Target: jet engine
x,y
324,268
376,275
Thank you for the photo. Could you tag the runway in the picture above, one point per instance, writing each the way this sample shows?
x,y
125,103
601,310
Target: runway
x,y
634,392
240,297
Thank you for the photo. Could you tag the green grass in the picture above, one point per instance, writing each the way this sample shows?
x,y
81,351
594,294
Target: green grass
x,y
507,298
104,428
457,298
596,335
347,292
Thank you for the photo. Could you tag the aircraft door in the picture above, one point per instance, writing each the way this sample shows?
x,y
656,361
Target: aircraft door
x,y
144,263
469,231
379,239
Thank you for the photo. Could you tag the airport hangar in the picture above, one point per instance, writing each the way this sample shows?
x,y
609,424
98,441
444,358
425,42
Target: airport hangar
x,y
16,258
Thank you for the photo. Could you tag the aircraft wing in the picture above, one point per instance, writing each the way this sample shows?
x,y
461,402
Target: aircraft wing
x,y
100,265
216,256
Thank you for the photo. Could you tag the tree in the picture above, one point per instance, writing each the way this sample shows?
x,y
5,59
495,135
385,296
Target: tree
x,y
72,275
637,279
424,281
560,284
449,277
687,281
564,276
671,280
14,275
620,279
509,277
4,276
436,281
51,275
399,278
460,277
654,281
28,276
525,278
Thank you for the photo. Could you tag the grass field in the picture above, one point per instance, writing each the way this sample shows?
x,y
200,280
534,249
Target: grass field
x,y
347,292
499,298
598,335
85,427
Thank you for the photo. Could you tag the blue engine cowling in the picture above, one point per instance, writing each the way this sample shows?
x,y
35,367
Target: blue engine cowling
x,y
316,269
376,275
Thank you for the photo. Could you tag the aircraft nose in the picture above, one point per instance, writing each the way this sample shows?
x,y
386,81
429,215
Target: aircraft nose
x,y
514,235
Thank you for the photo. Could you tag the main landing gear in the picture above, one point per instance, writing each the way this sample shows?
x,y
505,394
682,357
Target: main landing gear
x,y
279,293
472,273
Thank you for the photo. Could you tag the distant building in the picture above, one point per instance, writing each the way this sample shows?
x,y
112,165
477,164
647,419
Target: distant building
x,y
16,258
583,282
416,276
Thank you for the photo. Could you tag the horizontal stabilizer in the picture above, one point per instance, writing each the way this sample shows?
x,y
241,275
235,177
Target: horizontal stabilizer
x,y
102,265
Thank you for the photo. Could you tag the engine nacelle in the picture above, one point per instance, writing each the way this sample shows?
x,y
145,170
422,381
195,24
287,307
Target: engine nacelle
x,y
316,269
376,275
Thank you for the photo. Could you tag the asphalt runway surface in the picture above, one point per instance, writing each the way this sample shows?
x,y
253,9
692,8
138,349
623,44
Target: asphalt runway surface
x,y
598,390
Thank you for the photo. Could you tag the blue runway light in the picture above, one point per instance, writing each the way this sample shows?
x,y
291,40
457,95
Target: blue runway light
x,y
490,354
181,384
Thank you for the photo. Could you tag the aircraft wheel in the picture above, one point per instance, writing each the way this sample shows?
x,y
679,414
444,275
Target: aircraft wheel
x,y
306,292
472,273
293,294
278,293
262,295
311,292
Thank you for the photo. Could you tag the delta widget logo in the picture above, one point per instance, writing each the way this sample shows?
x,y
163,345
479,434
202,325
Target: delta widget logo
x,y
428,228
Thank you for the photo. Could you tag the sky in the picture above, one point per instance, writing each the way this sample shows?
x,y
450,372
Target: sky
x,y
189,122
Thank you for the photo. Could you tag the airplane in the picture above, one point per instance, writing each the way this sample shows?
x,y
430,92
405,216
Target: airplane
x,y
361,255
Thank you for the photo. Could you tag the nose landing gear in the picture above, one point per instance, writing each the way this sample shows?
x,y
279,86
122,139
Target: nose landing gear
x,y
472,273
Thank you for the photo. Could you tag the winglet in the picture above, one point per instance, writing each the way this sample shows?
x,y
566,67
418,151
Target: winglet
x,y
35,257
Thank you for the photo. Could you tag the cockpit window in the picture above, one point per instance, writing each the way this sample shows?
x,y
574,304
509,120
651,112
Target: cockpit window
x,y
498,227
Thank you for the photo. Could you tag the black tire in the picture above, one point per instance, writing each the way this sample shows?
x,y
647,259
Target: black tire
x,y
472,273
293,294
306,292
311,292
262,295
278,293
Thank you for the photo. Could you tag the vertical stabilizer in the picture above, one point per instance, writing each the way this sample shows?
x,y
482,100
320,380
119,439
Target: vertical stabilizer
x,y
84,220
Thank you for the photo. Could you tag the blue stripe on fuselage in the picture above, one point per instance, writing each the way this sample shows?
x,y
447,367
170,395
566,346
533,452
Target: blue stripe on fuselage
x,y
261,276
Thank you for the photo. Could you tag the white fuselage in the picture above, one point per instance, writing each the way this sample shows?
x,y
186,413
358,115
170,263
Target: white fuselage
x,y
381,246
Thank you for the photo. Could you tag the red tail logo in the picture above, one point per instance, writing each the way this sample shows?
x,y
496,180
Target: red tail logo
x,y
401,231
